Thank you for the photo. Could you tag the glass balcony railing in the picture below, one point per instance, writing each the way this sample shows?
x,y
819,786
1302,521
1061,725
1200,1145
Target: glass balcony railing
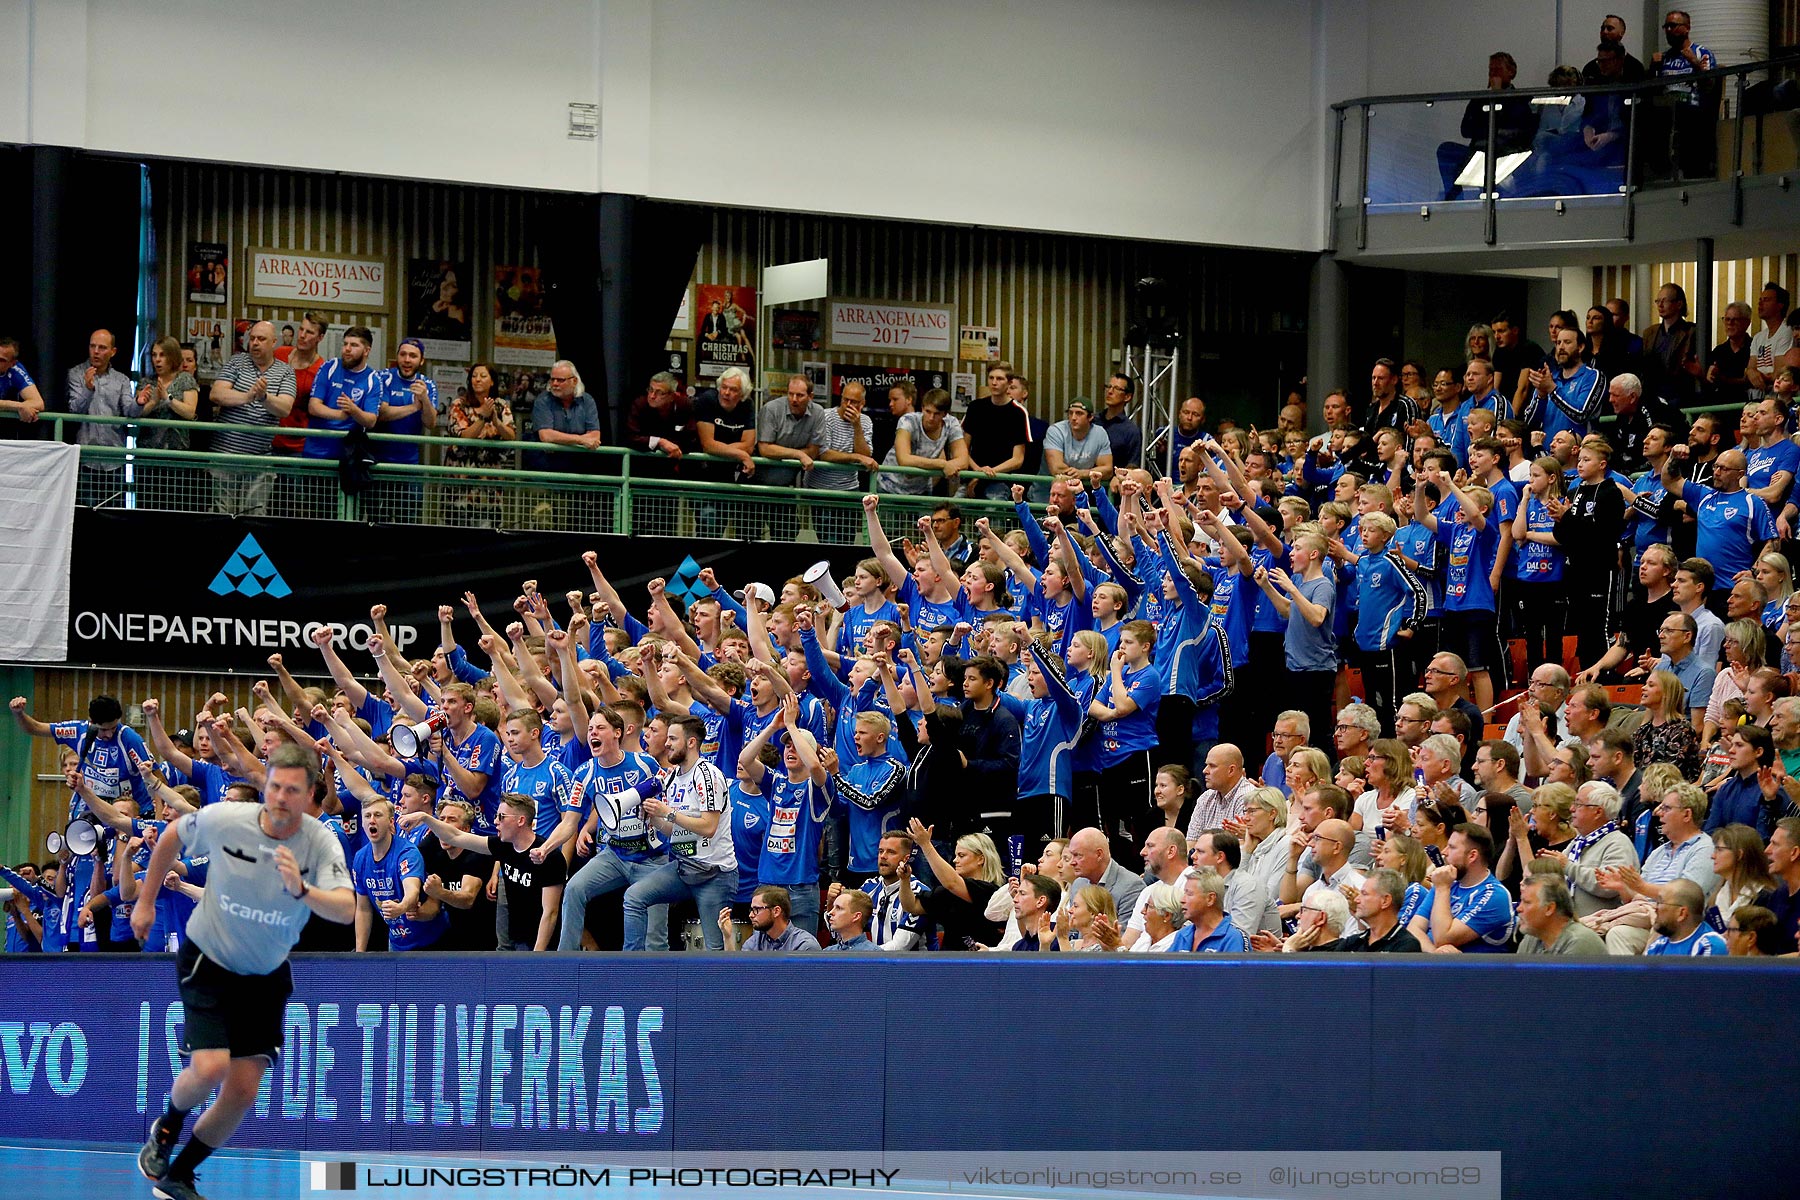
x,y
606,490
1491,150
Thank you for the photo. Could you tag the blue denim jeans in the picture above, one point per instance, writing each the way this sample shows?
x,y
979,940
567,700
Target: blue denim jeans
x,y
664,886
607,872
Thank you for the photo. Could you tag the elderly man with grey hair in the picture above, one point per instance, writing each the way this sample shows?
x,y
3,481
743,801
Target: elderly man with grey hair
x,y
1357,727
1600,844
1637,411
564,415
1209,929
1547,920
253,388
1440,758
1546,688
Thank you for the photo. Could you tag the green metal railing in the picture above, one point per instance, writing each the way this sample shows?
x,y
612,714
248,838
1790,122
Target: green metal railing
x,y
608,489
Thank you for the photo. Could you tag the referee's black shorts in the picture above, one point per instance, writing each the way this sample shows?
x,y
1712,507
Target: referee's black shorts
x,y
228,1011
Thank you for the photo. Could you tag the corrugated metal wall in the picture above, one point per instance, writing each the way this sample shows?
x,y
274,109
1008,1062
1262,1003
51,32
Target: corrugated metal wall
x,y
1733,279
239,206
1061,303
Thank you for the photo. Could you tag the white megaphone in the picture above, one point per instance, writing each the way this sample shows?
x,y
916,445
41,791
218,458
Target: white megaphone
x,y
53,842
80,837
819,575
408,739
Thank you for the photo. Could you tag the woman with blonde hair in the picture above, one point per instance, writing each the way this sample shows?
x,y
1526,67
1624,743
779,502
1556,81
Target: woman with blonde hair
x,y
1479,343
1307,767
1262,837
1089,921
1547,828
1403,853
1668,736
1745,650
1776,575
958,904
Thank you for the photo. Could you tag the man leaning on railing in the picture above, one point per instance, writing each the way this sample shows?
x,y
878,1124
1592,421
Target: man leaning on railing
x,y
253,389
95,387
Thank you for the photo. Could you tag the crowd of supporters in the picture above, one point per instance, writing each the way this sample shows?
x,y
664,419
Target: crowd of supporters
x,y
1506,663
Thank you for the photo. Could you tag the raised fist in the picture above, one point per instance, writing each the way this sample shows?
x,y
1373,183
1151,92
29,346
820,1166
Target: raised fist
x,y
590,560
377,612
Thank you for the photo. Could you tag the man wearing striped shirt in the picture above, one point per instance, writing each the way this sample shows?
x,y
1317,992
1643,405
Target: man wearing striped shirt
x,y
254,389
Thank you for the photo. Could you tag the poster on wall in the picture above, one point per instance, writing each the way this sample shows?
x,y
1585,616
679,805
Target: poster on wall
x,y
888,328
438,299
240,330
962,391
675,362
794,329
303,279
452,382
820,374
684,316
727,329
980,343
208,272
211,339
523,333
877,380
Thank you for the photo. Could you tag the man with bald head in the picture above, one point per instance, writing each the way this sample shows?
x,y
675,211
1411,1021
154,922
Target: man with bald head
x,y
1331,844
1091,857
253,388
1732,523
95,388
1227,791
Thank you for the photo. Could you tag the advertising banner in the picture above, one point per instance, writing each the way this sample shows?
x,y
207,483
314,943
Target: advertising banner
x,y
303,279
245,588
877,380
915,329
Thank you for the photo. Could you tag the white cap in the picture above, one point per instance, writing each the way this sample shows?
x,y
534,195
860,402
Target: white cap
x,y
761,591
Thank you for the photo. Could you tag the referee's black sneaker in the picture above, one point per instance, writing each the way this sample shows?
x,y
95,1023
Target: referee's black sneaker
x,y
153,1159
172,1188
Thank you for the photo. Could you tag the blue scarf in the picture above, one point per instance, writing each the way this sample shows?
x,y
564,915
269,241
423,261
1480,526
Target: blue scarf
x,y
1580,845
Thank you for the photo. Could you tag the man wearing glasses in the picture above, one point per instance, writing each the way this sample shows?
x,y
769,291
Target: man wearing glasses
x,y
1599,845
1677,636
946,527
1732,523
1331,844
1292,730
769,919
564,416
1685,854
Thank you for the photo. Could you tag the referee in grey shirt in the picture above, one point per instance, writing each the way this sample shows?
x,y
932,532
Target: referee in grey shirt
x,y
272,866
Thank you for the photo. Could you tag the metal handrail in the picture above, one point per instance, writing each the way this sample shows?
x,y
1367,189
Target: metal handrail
x,y
623,454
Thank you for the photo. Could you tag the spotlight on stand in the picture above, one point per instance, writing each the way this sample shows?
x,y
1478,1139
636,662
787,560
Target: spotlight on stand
x,y
409,738
1152,315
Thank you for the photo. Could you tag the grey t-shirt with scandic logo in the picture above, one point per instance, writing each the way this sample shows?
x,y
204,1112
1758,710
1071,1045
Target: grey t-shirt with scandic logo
x,y
246,920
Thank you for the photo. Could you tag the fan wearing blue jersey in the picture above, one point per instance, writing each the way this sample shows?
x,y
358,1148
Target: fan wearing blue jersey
x,y
1680,929
360,700
1568,395
930,597
1126,708
1541,601
207,776
106,747
1471,541
1732,523
527,771
346,393
25,911
1190,654
871,788
627,849
799,800
1309,646
1470,912
1048,733
1390,604
389,874
468,754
